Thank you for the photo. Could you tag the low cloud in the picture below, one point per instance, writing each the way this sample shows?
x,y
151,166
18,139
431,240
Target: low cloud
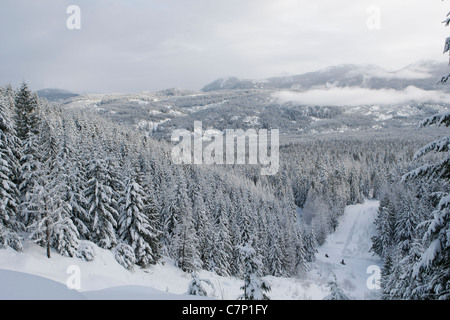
x,y
360,96
376,72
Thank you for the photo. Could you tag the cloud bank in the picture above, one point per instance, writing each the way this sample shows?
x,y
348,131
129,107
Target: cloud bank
x,y
360,96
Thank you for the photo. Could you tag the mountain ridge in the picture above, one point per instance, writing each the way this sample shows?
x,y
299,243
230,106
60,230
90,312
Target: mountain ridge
x,y
422,74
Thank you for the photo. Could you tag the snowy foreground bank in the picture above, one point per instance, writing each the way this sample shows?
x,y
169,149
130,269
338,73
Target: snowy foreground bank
x,y
31,275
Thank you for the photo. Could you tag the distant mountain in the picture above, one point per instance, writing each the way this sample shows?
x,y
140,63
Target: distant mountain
x,y
423,74
233,103
55,94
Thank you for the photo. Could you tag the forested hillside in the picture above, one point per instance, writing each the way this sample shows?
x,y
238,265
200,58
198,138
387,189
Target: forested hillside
x,y
72,176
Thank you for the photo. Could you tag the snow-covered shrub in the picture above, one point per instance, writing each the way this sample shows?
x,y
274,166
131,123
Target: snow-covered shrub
x,y
124,254
86,251
195,287
10,239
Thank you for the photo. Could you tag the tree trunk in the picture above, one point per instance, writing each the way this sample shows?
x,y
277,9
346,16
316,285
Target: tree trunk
x,y
183,250
47,232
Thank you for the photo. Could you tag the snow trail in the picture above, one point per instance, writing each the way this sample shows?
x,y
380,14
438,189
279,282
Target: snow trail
x,y
350,242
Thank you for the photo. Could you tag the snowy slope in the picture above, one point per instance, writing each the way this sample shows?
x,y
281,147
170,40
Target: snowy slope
x,y
31,275
104,278
351,242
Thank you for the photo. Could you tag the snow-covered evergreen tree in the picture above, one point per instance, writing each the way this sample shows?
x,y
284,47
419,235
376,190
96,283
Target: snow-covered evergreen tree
x,y
202,224
385,222
51,219
336,292
134,227
9,195
26,118
309,244
99,198
254,287
435,261
124,255
196,288
185,244
221,248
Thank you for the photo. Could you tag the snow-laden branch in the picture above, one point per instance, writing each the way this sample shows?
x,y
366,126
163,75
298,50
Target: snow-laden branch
x,y
428,171
441,145
442,119
447,44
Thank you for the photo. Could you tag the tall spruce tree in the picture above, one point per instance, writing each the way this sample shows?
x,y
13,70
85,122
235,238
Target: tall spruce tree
x,y
26,107
134,225
254,287
9,195
100,198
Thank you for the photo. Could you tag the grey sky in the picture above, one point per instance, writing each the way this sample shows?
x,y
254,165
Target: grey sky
x,y
137,45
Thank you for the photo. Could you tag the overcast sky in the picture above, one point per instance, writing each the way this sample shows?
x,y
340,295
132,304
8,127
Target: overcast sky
x,y
147,45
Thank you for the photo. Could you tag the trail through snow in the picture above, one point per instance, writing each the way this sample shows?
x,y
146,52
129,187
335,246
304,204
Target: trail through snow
x,y
350,242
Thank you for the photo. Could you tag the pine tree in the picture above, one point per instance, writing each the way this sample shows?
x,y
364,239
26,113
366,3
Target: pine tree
x,y
151,207
9,195
99,198
336,292
385,225
275,257
28,175
254,287
51,221
386,274
73,179
185,242
124,255
435,261
221,247
27,124
134,225
26,107
196,288
202,224
309,245
151,211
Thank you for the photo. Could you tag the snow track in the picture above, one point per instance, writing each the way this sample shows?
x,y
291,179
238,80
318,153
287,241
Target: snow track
x,y
350,242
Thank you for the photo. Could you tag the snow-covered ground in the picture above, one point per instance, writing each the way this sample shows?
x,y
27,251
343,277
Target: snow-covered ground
x,y
31,275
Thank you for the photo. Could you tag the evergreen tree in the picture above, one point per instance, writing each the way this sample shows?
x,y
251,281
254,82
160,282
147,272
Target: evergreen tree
x,y
385,222
309,245
73,179
26,107
99,198
185,242
254,287
196,288
51,222
9,195
202,224
435,261
134,225
336,292
221,247
275,257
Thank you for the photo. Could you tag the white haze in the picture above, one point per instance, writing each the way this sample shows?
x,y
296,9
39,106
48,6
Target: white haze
x,y
349,96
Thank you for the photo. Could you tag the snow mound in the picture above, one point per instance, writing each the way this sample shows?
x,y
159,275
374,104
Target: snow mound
x,y
22,286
